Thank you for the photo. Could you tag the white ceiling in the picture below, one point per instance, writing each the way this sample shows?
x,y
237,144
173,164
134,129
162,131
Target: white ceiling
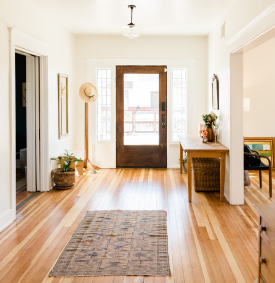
x,y
160,17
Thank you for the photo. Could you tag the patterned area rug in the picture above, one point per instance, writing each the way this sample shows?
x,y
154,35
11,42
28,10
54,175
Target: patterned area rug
x,y
117,242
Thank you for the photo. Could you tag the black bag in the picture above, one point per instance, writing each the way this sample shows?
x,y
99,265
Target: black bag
x,y
250,160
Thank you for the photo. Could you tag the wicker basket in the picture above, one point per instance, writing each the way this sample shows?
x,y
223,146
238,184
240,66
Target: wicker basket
x,y
206,174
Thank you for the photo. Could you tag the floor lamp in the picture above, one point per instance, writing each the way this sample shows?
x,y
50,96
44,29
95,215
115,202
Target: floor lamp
x,y
88,93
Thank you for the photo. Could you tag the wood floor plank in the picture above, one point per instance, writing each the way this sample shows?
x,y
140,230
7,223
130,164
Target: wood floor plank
x,y
208,241
61,224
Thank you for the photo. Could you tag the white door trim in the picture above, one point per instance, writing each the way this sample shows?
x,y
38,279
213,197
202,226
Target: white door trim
x,y
26,43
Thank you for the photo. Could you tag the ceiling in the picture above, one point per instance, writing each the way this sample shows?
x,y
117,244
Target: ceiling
x,y
154,17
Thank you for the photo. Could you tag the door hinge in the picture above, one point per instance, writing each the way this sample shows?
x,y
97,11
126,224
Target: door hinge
x,y
165,70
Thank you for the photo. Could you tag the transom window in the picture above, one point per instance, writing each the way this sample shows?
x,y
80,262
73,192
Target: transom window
x,y
104,105
179,103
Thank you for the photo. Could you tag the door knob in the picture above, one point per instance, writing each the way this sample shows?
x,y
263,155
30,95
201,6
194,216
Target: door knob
x,y
163,121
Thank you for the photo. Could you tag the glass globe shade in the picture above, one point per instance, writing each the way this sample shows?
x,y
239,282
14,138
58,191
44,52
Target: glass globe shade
x,y
130,32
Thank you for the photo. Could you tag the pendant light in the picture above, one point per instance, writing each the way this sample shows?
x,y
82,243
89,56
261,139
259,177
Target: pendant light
x,y
131,31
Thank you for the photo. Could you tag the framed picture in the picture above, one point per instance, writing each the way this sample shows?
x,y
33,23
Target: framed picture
x,y
215,93
63,109
265,146
24,95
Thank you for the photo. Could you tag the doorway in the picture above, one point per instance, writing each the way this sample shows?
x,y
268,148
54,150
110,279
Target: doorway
x,y
141,116
27,126
21,128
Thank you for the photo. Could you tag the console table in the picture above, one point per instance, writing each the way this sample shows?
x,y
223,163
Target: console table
x,y
195,148
266,240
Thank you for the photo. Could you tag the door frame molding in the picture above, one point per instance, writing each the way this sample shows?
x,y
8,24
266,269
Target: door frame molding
x,y
103,153
28,44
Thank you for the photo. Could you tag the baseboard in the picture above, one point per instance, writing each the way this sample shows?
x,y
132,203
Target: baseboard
x,y
226,193
7,218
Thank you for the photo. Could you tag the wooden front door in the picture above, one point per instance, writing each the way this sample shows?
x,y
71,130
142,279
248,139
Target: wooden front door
x,y
141,116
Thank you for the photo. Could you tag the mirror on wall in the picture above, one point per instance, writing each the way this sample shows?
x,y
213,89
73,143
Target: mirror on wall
x,y
63,110
215,93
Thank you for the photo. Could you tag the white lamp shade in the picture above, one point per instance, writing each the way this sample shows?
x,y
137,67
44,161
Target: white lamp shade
x,y
246,104
131,32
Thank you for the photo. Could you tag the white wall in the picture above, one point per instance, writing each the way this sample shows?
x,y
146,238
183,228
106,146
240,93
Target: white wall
x,y
242,24
61,60
259,86
145,47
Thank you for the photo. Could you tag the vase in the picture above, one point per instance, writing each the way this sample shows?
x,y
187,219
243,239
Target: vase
x,y
204,139
184,167
210,134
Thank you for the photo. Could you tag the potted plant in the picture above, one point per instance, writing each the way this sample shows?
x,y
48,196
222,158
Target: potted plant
x,y
64,177
210,120
184,163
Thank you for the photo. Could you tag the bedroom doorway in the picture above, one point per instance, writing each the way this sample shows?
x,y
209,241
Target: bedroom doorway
x,y
27,126
141,116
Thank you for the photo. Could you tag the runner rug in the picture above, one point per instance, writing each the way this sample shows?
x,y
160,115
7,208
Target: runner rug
x,y
117,242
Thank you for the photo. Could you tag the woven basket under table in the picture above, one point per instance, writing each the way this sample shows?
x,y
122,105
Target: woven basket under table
x,y
206,174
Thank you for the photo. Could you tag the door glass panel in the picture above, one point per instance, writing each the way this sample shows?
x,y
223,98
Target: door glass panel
x,y
141,109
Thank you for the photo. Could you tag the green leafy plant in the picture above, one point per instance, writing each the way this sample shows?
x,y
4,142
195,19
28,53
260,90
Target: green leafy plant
x,y
209,119
66,160
184,158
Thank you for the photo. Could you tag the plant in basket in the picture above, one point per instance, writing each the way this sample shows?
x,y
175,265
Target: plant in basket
x,y
64,177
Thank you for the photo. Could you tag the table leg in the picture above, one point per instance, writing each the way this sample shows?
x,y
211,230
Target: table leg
x,y
222,176
181,158
189,163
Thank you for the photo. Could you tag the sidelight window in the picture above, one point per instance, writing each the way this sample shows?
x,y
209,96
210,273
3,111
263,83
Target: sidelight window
x,y
104,105
179,103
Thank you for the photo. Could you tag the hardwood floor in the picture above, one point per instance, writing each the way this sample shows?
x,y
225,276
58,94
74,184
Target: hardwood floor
x,y
209,241
21,187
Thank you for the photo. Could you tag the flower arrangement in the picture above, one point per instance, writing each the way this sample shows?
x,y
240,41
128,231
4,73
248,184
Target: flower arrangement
x,y
209,119
203,133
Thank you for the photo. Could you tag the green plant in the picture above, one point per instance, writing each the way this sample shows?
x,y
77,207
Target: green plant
x,y
209,119
66,160
184,158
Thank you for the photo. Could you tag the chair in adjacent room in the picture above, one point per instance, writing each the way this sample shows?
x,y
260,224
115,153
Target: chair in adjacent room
x,y
252,161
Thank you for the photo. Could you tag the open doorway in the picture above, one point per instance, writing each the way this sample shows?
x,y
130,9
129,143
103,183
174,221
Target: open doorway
x,y
21,128
27,127
252,90
259,115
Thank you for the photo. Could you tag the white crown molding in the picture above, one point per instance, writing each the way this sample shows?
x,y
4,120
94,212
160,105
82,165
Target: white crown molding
x,y
142,61
257,19
241,48
28,43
